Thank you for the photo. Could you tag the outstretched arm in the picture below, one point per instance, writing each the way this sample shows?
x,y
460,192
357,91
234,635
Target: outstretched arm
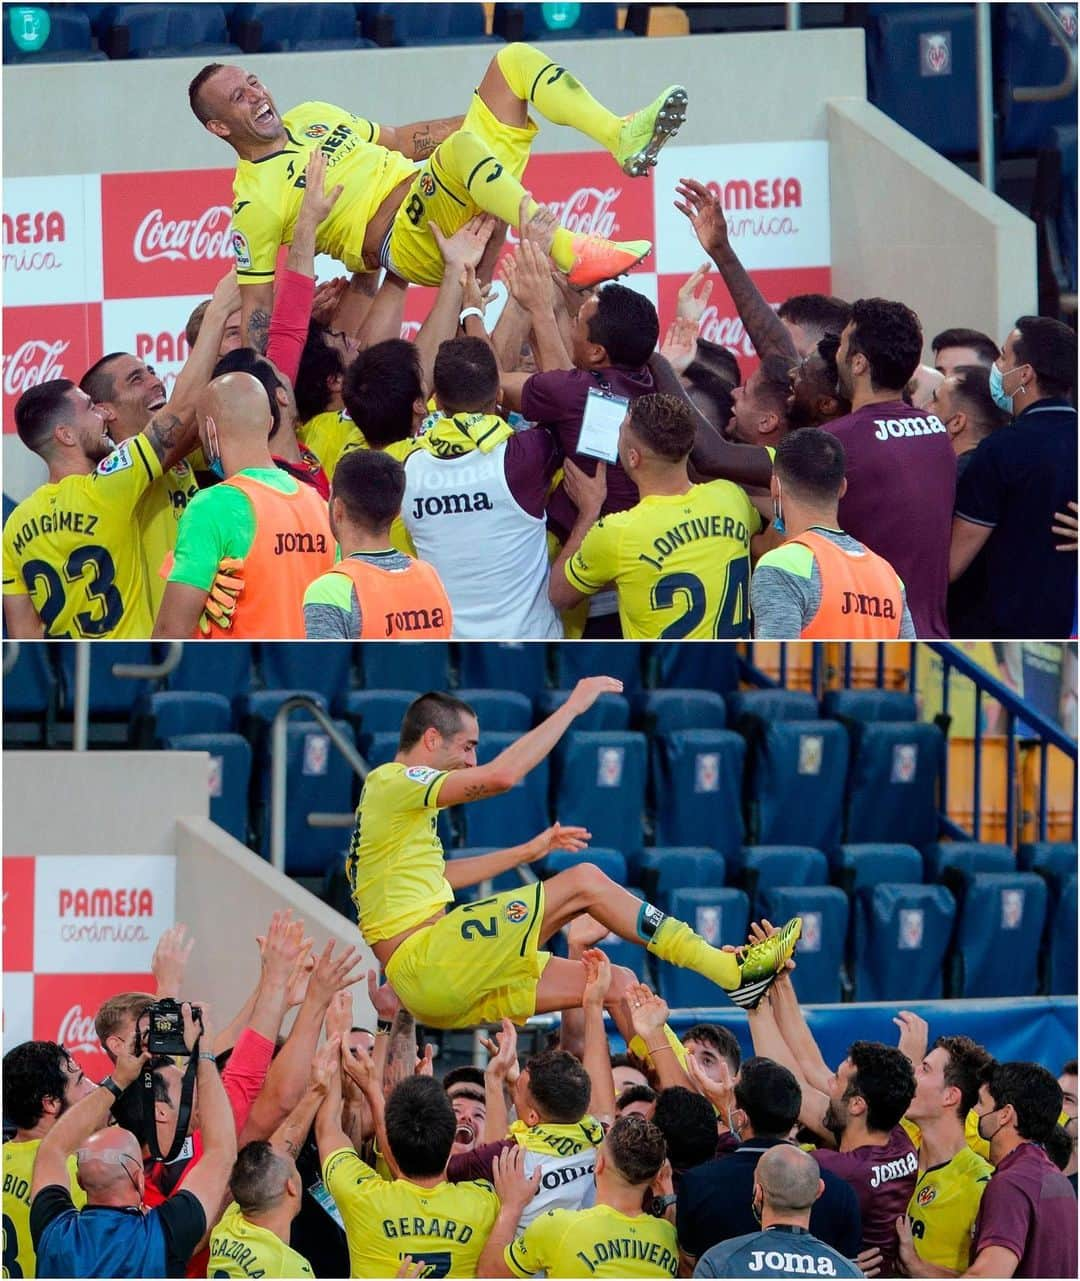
x,y
767,331
512,764
770,1043
461,872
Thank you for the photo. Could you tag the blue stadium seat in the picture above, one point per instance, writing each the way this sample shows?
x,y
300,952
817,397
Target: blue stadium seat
x,y
920,66
954,862
230,775
1026,56
170,713
611,862
720,916
520,665
859,866
869,705
255,710
529,22
1061,967
598,658
110,696
502,711
325,667
795,779
376,711
674,665
319,780
69,38
820,953
229,673
666,710
750,710
277,28
31,695
698,784
510,880
998,932
901,938
167,31
610,711
420,665
1053,860
666,868
893,783
517,815
415,24
766,867
601,786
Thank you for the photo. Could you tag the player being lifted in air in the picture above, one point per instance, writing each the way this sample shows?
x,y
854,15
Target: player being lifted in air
x,y
481,962
382,218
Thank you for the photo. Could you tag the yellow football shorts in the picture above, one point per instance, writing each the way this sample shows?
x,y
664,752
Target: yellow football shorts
x,y
438,196
478,964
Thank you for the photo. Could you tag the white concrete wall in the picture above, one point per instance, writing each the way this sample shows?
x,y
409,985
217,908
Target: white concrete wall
x,y
908,224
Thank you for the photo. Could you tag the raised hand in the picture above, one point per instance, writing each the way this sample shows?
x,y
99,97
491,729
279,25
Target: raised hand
x,y
512,1185
589,689
317,202
721,1093
384,1000
540,228
586,492
503,1065
680,343
706,215
170,960
297,986
357,1065
584,931
281,947
326,1063
528,277
226,296
326,298
556,837
648,1012
339,1016
914,1036
694,295
330,974
466,246
196,1028
597,978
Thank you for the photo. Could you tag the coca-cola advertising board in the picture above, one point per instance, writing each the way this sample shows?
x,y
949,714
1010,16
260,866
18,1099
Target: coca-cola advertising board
x,y
42,343
78,930
52,240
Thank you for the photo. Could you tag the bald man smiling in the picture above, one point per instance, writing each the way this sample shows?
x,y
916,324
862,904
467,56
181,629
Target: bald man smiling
x,y
260,518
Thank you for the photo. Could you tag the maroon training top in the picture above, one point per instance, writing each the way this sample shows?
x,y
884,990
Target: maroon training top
x,y
901,475
1029,1207
883,1176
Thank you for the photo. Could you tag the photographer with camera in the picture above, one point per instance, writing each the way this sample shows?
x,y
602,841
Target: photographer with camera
x,y
122,1238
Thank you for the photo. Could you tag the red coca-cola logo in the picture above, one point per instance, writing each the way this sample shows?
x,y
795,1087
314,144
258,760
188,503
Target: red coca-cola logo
x,y
18,915
33,363
76,1032
64,1010
42,343
207,236
592,195
166,234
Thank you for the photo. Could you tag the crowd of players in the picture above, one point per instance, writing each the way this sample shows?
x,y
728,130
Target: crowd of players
x,y
338,1149
380,488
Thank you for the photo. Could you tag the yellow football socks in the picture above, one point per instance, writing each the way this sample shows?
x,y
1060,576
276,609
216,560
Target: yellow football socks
x,y
556,94
676,942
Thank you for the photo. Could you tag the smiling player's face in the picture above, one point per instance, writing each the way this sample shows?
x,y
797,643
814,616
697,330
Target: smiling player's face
x,y
459,750
241,108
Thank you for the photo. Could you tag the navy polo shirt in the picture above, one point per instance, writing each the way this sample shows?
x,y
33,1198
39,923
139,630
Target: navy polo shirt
x,y
1017,478
715,1204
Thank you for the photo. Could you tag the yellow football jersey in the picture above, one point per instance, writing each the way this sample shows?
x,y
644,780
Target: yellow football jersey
x,y
446,1226
598,1242
943,1208
680,563
75,548
20,1259
267,193
240,1248
329,436
158,515
396,861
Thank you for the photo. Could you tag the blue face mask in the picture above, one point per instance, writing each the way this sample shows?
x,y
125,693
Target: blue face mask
x,y
217,468
997,390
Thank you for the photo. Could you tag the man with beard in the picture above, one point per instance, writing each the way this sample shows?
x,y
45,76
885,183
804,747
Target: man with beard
x,y
73,557
814,399
41,1081
131,393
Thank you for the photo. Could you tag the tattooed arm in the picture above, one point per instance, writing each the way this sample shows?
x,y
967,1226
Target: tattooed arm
x,y
290,1135
515,761
257,305
172,432
418,140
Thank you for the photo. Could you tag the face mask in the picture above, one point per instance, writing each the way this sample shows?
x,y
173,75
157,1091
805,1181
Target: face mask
x,y
997,390
755,1207
217,468
731,1124
987,1137
778,515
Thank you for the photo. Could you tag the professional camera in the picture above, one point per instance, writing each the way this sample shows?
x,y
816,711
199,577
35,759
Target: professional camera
x,y
164,1029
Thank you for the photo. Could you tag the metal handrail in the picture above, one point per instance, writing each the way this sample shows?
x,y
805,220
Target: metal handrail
x,y
279,770
1051,93
984,96
152,671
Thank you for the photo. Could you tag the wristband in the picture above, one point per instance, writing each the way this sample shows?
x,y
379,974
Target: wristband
x,y
383,1027
470,311
111,1086
205,1054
